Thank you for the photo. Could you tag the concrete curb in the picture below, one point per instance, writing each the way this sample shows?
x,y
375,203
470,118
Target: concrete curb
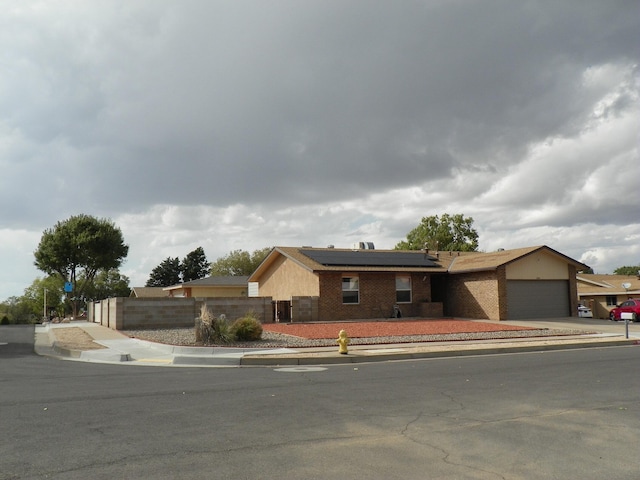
x,y
326,358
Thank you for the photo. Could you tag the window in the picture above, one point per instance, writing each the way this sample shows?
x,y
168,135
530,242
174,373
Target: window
x,y
403,288
612,300
350,289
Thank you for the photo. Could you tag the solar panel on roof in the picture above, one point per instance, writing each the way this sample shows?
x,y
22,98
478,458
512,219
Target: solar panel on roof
x,y
369,258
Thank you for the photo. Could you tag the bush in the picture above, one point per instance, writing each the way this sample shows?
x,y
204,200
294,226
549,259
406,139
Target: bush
x,y
221,331
4,321
247,328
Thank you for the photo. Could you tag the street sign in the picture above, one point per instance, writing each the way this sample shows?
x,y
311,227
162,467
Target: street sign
x,y
68,287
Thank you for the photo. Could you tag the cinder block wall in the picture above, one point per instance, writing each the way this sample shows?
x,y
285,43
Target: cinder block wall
x,y
139,313
236,307
157,313
304,309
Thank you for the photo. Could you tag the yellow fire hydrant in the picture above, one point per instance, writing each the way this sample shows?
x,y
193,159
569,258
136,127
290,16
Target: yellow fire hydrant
x,y
342,341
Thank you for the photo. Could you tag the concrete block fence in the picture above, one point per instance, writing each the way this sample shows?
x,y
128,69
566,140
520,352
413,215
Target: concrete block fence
x,y
127,313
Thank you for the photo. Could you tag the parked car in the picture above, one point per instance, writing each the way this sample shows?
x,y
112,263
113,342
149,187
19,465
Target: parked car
x,y
629,306
584,312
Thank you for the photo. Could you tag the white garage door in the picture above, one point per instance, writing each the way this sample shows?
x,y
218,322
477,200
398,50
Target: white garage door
x,y
537,299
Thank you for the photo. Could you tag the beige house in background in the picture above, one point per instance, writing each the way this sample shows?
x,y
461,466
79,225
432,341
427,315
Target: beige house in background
x,y
210,287
603,292
532,282
148,292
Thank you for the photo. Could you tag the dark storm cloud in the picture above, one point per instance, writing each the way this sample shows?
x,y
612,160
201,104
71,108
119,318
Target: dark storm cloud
x,y
219,101
518,110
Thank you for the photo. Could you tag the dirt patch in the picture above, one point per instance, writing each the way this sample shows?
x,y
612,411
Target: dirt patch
x,y
387,329
74,338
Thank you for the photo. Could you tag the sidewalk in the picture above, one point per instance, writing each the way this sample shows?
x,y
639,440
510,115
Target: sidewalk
x,y
121,349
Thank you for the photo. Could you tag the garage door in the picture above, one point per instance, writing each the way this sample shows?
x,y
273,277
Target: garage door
x,y
537,299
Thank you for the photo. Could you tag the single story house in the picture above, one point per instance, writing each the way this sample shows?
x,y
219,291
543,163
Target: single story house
x,y
603,292
210,287
346,284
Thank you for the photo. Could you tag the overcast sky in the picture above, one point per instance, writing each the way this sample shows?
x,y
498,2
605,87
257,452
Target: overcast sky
x,y
247,124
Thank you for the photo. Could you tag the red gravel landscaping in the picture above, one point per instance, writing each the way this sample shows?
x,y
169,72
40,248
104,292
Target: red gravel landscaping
x,y
314,331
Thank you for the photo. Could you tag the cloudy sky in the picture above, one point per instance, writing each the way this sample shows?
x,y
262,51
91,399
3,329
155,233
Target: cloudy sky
x,y
247,124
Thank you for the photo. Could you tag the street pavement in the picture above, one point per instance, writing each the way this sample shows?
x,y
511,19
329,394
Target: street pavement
x,y
123,350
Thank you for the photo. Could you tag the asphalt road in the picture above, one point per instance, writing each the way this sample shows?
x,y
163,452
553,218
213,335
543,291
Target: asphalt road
x,y
566,415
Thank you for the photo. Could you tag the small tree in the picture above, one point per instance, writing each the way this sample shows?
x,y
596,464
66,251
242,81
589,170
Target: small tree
x,y
77,248
448,232
165,274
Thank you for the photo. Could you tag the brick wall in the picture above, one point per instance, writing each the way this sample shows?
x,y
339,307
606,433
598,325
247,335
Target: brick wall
x,y
377,296
476,295
573,290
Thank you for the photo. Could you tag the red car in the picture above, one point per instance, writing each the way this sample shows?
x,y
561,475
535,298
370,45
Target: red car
x,y
632,306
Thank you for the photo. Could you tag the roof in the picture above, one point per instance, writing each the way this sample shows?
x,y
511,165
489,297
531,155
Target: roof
x,y
598,284
491,261
341,260
218,281
148,292
333,259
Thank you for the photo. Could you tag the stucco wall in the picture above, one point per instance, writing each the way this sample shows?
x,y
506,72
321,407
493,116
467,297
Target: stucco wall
x,y
285,279
538,266
217,292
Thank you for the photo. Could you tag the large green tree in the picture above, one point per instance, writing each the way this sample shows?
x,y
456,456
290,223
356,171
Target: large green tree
x,y
165,274
239,262
77,248
627,270
447,232
108,284
195,265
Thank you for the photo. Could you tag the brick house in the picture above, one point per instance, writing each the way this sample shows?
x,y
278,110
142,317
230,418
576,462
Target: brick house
x,y
311,284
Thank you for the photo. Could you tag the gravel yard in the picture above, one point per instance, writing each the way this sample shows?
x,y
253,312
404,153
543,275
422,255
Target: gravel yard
x,y
361,333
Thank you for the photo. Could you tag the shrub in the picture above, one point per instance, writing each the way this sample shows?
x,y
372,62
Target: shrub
x,y
247,328
4,321
210,329
221,331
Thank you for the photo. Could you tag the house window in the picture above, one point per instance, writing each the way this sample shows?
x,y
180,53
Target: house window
x,y
403,289
612,300
350,289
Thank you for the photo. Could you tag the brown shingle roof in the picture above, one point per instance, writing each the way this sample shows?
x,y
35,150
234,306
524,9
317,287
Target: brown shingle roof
x,y
493,260
452,262
598,284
